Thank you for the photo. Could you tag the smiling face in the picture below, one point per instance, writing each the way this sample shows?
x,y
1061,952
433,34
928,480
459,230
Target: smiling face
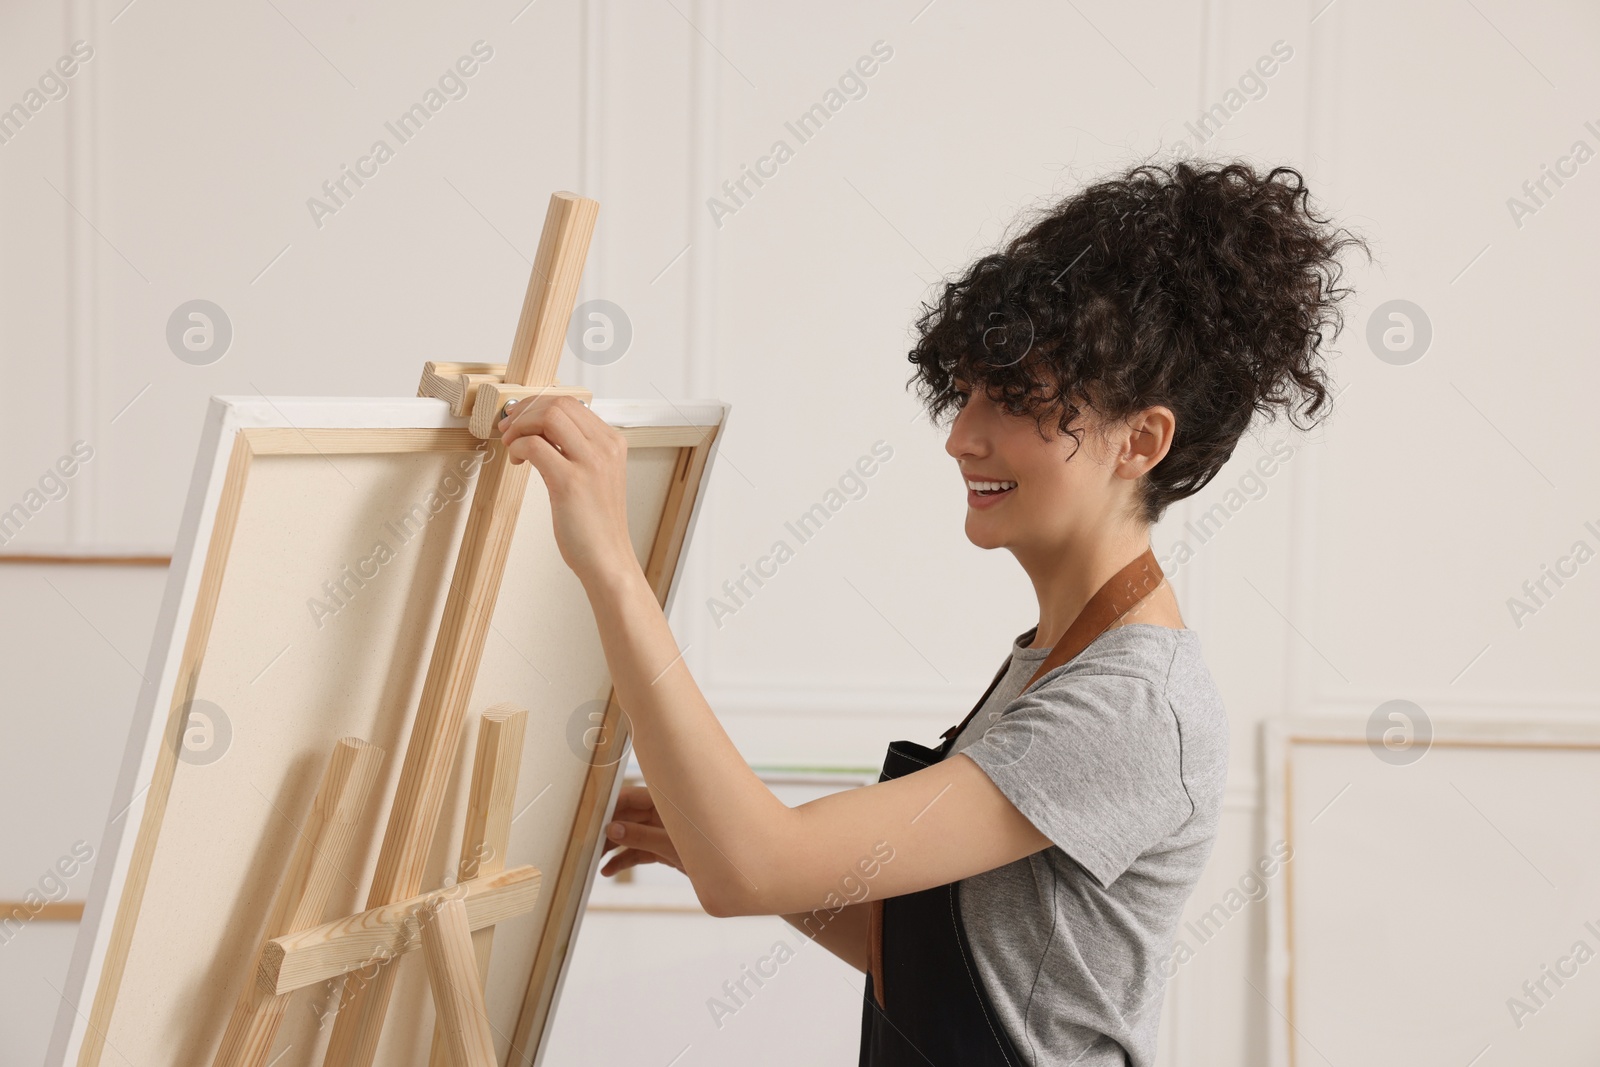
x,y
1037,491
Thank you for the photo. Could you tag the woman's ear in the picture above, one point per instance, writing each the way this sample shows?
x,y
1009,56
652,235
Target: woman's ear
x,y
1144,441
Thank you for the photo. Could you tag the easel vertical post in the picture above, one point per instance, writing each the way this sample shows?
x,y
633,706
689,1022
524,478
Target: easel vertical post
x,y
469,605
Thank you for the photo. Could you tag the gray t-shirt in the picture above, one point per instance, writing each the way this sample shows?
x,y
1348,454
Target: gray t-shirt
x,y
1119,757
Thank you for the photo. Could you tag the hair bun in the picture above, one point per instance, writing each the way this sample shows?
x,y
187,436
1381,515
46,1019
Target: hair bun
x,y
1207,287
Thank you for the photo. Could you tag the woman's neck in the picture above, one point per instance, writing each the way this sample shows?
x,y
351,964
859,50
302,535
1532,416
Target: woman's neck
x,y
1064,582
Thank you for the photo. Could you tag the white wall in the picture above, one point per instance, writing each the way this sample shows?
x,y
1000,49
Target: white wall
x,y
1377,563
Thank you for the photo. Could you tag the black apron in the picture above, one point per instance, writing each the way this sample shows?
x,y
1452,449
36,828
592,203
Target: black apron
x,y
940,1013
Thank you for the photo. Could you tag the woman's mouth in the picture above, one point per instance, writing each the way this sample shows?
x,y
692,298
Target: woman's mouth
x,y
985,494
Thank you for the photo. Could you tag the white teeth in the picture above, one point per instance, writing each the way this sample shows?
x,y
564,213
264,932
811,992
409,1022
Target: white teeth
x,y
991,486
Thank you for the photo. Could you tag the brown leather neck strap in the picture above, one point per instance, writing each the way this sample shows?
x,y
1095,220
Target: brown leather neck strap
x,y
1121,592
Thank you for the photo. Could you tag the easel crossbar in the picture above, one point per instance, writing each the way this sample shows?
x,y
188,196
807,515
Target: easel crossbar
x,y
380,934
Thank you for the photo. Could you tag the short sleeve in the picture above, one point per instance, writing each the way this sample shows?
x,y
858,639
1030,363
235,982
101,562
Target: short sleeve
x,y
1093,761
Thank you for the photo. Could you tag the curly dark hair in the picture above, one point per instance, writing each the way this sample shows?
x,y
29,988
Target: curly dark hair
x,y
1206,288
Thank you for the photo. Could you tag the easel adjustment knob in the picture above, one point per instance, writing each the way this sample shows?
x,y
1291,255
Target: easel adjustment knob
x,y
477,391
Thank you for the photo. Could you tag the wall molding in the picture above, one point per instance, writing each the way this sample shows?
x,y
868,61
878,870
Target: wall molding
x,y
1279,735
699,326
81,312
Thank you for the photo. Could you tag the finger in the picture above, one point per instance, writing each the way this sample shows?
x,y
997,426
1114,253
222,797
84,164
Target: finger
x,y
638,835
557,428
623,860
627,858
563,428
561,420
551,464
635,798
526,407
584,420
635,805
524,418
613,844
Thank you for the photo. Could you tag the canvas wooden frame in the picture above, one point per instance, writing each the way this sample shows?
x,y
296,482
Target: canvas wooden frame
x,y
237,431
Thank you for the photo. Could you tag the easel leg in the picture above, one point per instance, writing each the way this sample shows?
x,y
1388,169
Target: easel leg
x,y
487,836
457,992
303,893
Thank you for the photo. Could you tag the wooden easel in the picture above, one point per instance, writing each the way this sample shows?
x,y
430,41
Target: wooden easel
x,y
454,925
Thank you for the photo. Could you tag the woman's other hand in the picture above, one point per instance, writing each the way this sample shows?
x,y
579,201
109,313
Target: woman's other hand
x,y
636,829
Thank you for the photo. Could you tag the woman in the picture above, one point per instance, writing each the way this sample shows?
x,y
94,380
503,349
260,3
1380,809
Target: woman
x,y
1014,894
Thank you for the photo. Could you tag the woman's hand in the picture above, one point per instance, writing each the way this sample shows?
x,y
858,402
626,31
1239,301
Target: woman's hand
x,y
584,464
637,830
